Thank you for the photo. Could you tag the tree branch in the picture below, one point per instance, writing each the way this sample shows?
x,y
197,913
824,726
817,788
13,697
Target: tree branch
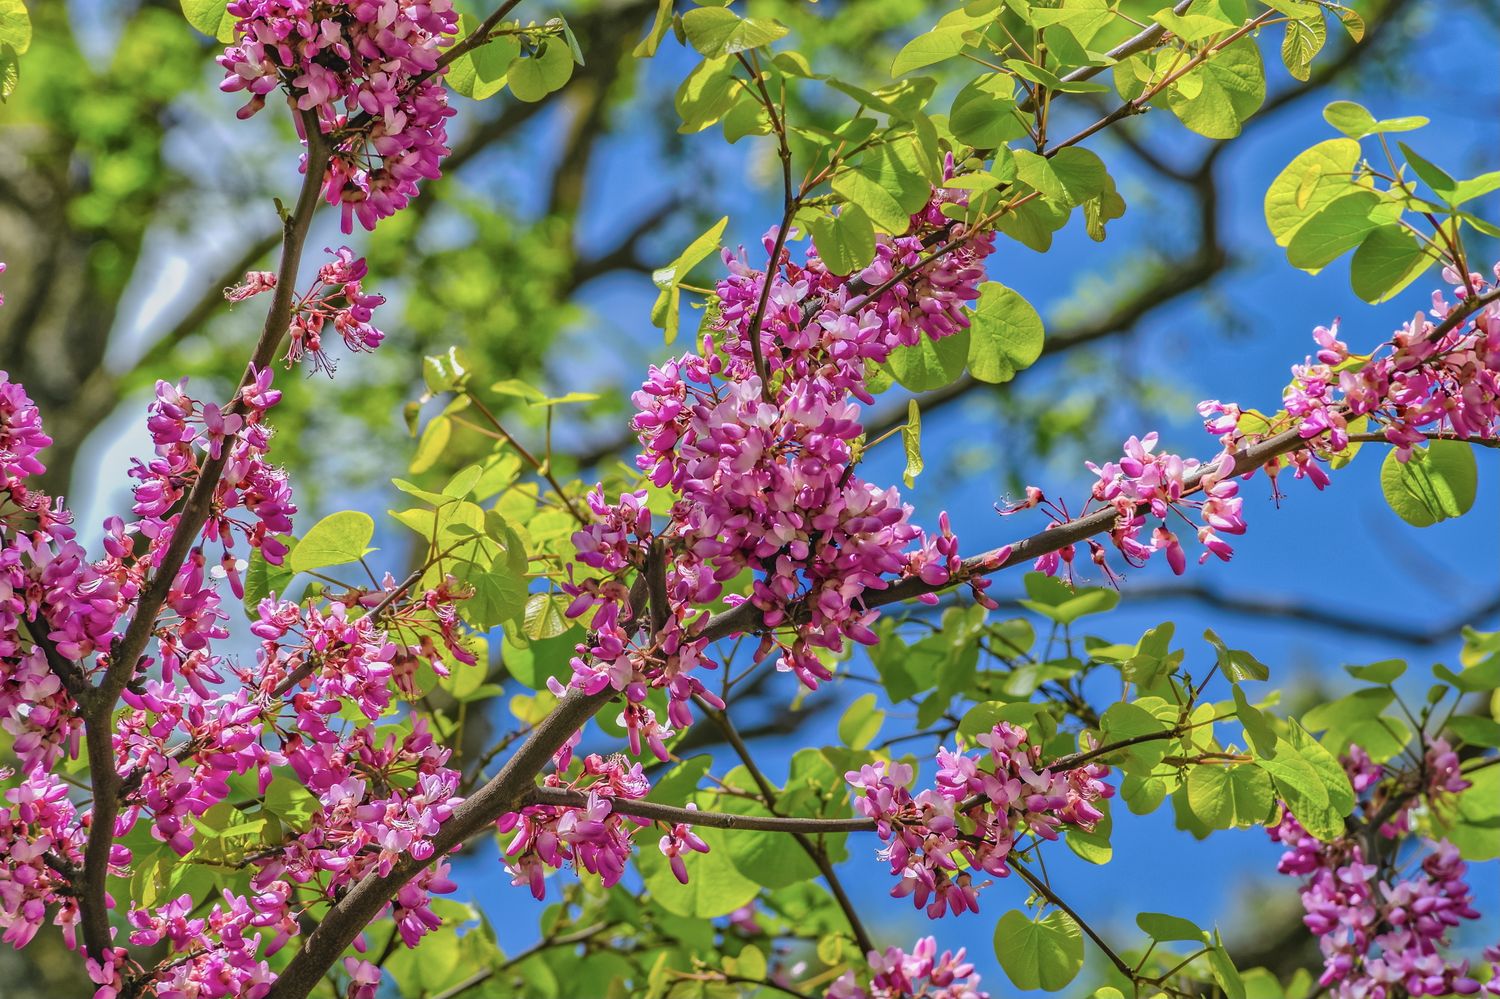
x,y
126,653
657,812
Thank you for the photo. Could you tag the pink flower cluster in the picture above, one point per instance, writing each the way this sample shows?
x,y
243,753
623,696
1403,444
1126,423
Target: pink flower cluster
x,y
595,837
922,974
972,817
764,474
336,299
1421,382
193,724
1418,384
1383,934
367,71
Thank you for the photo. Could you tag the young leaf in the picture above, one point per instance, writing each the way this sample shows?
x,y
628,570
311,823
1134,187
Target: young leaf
x,y
1230,88
1436,483
1338,227
932,47
1166,929
208,16
1046,953
846,241
1005,334
861,722
1237,665
1303,41
664,314
1385,671
548,69
719,31
911,441
337,539
930,364
1312,180
1389,259
1432,175
446,372
1354,121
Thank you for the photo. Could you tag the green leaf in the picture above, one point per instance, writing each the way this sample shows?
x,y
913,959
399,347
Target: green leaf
x,y
762,856
548,69
544,658
647,46
1193,27
1338,227
208,16
1355,122
288,799
1432,175
861,722
1311,181
1330,771
480,73
1093,844
1350,709
1299,785
543,617
499,586
1476,187
1476,731
932,47
984,119
878,204
664,314
337,539
1045,953
10,71
1057,601
930,364
1221,797
1385,671
1224,971
1353,23
846,241
1257,729
433,443
679,783
1165,929
1476,829
888,183
1122,721
1237,665
1005,334
446,372
1436,483
1389,259
911,442
1230,88
707,92
1303,41
263,579
718,31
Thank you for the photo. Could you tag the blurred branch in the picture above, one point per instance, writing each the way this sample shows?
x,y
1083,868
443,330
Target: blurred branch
x,y
1290,609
